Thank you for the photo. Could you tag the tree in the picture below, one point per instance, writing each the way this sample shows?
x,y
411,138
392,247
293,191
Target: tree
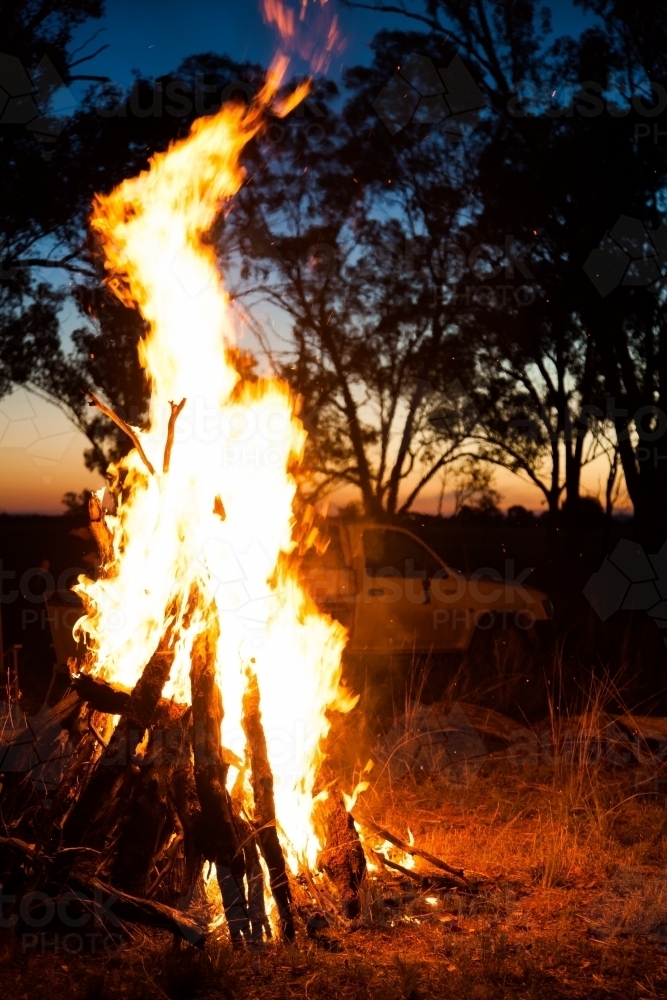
x,y
34,210
106,139
323,243
558,169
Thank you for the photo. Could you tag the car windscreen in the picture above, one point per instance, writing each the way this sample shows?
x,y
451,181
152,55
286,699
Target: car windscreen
x,y
332,557
389,552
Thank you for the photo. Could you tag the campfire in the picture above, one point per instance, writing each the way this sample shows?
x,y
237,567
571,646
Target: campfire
x,y
204,696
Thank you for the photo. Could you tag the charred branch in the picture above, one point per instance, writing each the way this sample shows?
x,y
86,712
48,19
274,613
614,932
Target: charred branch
x,y
172,854
86,824
148,821
116,906
101,697
426,882
183,796
70,870
412,850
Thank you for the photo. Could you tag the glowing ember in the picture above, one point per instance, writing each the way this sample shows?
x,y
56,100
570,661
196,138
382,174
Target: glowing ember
x,y
200,544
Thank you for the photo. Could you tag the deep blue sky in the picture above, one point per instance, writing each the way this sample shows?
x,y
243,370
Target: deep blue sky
x,y
153,36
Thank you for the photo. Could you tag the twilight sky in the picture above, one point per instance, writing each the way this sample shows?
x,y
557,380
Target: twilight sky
x,y
41,454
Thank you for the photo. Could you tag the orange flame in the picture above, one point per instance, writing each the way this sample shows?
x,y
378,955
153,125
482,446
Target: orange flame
x,y
317,43
221,516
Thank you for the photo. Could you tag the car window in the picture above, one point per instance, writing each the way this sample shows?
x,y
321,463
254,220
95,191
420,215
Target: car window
x,y
332,557
392,553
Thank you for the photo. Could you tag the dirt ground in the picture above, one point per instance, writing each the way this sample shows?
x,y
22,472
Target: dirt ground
x,y
569,864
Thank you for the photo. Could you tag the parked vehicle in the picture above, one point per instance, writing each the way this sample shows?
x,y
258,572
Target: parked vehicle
x,y
392,592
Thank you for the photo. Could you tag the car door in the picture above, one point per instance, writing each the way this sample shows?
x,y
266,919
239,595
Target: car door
x,y
404,594
329,579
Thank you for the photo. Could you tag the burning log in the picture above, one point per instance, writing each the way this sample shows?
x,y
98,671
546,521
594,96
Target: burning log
x,y
148,820
99,529
261,779
183,797
426,882
342,856
101,697
86,823
412,850
255,877
221,841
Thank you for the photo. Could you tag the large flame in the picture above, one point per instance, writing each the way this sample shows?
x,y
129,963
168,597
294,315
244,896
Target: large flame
x,y
217,522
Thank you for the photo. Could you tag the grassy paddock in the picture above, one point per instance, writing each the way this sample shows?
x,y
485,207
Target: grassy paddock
x,y
575,906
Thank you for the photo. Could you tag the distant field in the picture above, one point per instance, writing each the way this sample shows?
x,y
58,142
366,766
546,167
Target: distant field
x,y
39,552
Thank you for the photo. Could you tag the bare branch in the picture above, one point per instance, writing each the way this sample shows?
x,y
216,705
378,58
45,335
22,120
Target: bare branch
x,y
176,408
108,412
47,262
84,59
81,47
83,76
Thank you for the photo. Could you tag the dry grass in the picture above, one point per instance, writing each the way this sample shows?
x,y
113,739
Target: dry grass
x,y
577,908
569,851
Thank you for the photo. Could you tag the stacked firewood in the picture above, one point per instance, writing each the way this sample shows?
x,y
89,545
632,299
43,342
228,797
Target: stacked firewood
x,y
143,807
